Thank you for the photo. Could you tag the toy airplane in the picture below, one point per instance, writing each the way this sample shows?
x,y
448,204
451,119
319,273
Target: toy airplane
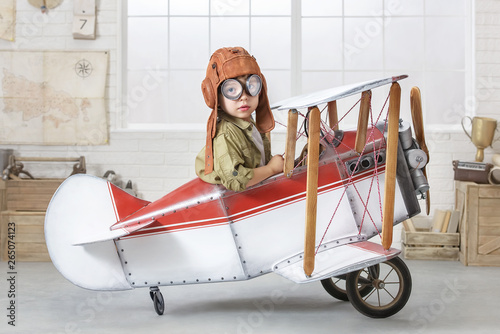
x,y
101,238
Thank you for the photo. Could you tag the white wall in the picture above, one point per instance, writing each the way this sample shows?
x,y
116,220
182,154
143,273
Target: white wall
x,y
157,161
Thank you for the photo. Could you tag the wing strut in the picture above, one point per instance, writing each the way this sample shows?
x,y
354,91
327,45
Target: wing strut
x,y
364,115
390,165
312,189
291,139
333,118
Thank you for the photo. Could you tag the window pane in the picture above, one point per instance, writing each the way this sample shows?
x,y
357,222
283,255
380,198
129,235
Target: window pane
x,y
274,7
404,7
322,44
146,95
314,81
445,43
442,108
363,44
189,42
230,31
271,47
404,43
321,7
444,7
191,7
185,100
363,7
147,42
229,7
147,7
278,85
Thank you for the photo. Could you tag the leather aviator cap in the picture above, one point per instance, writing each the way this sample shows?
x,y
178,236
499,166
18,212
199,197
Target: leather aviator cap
x,y
228,63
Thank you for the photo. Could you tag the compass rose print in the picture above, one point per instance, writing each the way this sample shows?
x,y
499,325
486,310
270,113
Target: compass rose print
x,y
83,68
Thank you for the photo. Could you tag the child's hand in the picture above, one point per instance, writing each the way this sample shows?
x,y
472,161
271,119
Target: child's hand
x,y
276,164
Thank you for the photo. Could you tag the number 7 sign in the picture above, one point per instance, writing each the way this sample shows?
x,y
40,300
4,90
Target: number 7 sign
x,y
84,19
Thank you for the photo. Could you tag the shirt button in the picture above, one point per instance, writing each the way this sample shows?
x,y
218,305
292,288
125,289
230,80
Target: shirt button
x,y
235,173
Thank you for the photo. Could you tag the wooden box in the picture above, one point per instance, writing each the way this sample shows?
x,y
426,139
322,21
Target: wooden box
x,y
2,195
25,202
480,223
28,237
426,245
30,195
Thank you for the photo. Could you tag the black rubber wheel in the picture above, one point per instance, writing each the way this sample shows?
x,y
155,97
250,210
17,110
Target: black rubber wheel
x,y
158,302
336,286
391,289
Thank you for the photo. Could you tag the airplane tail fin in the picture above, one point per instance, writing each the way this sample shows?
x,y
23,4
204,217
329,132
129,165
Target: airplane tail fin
x,y
78,235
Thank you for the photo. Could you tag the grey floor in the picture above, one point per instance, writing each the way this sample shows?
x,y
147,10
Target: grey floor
x,y
447,297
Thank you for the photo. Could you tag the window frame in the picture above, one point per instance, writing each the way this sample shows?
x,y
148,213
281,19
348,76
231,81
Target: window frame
x,y
296,71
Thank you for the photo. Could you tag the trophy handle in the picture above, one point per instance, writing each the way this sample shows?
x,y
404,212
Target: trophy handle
x,y
498,138
463,126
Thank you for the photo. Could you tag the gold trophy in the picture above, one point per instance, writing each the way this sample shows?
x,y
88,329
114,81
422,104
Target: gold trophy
x,y
483,130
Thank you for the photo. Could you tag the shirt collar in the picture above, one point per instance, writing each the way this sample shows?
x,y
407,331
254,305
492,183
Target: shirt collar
x,y
241,123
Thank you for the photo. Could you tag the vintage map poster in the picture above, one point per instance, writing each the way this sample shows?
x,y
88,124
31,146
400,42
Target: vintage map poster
x,y
53,98
7,19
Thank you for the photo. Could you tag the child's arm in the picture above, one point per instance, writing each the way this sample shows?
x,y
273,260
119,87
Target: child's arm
x,y
274,166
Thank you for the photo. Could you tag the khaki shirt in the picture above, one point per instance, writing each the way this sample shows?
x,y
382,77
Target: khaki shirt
x,y
235,154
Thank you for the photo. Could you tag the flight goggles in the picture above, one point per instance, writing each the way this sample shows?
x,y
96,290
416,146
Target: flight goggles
x,y
232,89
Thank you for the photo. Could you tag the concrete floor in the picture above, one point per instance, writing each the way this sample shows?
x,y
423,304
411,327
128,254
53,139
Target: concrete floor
x,y
447,297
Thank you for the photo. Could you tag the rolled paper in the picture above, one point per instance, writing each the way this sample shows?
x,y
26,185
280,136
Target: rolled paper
x,y
494,175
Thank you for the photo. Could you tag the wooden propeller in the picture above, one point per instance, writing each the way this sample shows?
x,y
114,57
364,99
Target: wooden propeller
x,y
390,165
418,126
312,189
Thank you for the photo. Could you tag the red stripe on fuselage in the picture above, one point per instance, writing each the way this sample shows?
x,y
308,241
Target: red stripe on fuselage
x,y
240,206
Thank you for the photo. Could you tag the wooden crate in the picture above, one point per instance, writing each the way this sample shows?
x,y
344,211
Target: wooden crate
x,y
2,195
29,235
426,245
480,223
30,195
25,202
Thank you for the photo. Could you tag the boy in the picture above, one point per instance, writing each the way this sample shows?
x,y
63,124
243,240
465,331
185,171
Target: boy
x,y
237,153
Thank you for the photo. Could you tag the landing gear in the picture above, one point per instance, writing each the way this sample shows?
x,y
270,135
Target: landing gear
x,y
336,286
157,298
390,289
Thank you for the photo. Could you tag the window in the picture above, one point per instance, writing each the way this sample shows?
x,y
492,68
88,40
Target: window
x,y
301,46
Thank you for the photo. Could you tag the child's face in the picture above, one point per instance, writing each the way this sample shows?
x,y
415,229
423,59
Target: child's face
x,y
243,106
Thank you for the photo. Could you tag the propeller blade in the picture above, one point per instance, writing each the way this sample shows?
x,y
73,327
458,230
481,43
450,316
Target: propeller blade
x,y
418,126
312,189
390,165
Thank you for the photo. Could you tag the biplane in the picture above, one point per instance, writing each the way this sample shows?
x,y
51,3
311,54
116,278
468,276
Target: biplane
x,y
312,223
